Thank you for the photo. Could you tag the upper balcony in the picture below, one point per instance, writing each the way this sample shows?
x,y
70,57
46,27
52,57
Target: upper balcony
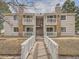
x,y
50,20
28,20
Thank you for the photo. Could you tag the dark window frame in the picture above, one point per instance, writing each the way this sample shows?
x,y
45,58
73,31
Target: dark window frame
x,y
27,16
63,29
16,29
51,16
29,29
49,29
15,17
63,17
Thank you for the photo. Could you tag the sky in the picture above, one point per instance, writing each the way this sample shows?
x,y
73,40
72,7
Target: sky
x,y
42,5
77,2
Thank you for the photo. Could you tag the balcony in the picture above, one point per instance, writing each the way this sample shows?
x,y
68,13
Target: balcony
x,y
28,21
52,34
28,34
51,21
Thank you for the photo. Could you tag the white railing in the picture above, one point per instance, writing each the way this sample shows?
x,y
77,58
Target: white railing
x,y
28,21
28,34
52,34
26,47
53,20
52,47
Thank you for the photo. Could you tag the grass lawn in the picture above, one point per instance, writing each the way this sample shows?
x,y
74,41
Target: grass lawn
x,y
10,46
68,46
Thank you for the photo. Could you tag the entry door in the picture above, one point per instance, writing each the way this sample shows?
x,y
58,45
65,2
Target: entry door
x,y
39,25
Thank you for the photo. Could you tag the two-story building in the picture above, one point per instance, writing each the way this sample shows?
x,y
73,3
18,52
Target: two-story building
x,y
40,24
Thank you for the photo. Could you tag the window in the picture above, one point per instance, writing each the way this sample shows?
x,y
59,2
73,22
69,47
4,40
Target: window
x,y
28,20
25,16
63,17
15,17
54,16
16,29
51,18
29,30
24,26
63,29
49,29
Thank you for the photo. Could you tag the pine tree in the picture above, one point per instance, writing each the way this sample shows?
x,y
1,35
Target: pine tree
x,y
77,19
69,6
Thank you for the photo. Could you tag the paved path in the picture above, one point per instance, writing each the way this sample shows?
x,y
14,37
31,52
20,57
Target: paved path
x,y
40,52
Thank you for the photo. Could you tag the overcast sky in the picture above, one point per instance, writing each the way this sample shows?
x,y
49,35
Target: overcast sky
x,y
42,5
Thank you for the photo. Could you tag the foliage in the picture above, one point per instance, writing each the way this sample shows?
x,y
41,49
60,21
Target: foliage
x,y
4,7
70,7
77,19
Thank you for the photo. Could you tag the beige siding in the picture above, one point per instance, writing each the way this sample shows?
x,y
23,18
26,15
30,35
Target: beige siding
x,y
69,23
9,27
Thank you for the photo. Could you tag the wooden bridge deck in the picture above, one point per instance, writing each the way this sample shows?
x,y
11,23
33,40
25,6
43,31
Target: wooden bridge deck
x,y
40,51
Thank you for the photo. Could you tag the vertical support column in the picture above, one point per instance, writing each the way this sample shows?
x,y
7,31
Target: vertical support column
x,y
58,16
20,25
58,27
44,26
20,20
34,25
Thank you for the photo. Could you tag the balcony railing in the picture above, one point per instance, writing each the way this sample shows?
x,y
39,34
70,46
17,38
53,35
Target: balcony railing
x,y
51,21
52,34
52,47
28,34
28,21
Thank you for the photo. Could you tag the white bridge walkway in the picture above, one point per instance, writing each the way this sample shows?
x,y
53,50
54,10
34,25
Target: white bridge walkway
x,y
42,48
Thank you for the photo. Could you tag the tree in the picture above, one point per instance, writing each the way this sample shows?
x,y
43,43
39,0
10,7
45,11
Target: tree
x,y
69,6
4,7
77,19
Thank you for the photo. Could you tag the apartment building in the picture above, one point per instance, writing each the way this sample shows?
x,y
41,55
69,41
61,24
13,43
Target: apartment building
x,y
40,24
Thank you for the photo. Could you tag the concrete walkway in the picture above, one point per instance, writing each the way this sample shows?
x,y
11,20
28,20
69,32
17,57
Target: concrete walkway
x,y
40,51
